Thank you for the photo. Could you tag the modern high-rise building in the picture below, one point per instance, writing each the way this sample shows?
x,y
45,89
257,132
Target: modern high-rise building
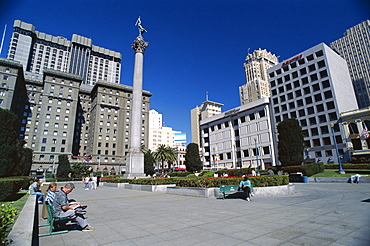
x,y
37,51
206,110
354,47
314,87
255,67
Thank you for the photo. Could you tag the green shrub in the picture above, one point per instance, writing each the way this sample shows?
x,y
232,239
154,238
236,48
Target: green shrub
x,y
306,169
179,174
8,215
208,173
267,180
348,166
10,186
234,172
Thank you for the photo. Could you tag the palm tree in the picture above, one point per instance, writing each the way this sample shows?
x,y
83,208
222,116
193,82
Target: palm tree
x,y
164,153
172,156
161,154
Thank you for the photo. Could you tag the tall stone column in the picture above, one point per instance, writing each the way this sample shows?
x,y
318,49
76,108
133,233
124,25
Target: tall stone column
x,y
135,158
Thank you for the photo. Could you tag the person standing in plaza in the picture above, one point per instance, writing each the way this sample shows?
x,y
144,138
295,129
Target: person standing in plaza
x,y
86,181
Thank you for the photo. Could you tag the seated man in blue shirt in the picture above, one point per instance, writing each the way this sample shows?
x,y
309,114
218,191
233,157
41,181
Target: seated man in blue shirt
x,y
63,209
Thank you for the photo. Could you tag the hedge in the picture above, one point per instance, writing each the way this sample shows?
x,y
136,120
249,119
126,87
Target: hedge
x,y
262,181
348,166
235,172
11,185
306,169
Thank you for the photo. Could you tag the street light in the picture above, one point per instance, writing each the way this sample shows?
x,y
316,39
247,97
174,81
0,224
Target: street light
x,y
341,171
258,166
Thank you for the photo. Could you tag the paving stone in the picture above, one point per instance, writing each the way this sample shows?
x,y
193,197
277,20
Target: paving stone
x,y
318,214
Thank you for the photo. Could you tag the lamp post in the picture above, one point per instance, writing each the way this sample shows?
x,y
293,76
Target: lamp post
x,y
258,166
341,171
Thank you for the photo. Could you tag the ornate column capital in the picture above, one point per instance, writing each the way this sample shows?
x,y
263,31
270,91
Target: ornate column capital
x,y
139,45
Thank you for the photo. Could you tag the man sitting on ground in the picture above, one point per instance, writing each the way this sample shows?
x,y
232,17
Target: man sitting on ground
x,y
63,209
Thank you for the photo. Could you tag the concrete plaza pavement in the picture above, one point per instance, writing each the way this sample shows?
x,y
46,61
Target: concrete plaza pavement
x,y
317,214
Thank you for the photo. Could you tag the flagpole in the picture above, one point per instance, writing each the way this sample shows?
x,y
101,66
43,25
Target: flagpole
x,y
2,40
341,171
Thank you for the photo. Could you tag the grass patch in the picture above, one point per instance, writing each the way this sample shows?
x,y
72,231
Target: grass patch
x,y
335,173
19,200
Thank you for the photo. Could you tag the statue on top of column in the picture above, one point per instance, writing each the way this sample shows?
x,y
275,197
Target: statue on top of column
x,y
140,27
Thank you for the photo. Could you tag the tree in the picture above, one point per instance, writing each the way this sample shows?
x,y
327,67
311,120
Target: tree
x,y
8,141
23,160
64,167
79,170
192,158
291,143
149,162
172,156
164,153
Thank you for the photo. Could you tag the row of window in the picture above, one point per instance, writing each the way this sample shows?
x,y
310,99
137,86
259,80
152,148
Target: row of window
x,y
298,92
302,102
250,117
246,153
296,62
312,121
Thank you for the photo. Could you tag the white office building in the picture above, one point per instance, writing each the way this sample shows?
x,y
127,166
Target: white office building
x,y
238,138
163,135
314,87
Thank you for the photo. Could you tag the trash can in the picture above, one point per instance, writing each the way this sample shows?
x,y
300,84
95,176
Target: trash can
x,y
295,177
304,179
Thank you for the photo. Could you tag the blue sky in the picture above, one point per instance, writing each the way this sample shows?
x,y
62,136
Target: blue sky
x,y
195,46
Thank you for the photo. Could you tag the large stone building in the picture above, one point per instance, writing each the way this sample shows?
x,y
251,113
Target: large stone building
x,y
238,138
354,47
69,99
356,125
58,116
255,68
314,87
37,51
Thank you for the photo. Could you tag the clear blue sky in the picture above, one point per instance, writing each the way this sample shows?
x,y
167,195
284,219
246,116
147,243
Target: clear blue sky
x,y
195,46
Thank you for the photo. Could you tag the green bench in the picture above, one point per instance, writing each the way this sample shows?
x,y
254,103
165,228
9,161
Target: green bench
x,y
51,220
228,189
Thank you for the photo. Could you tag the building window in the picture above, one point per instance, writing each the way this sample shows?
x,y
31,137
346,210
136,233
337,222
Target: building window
x,y
324,129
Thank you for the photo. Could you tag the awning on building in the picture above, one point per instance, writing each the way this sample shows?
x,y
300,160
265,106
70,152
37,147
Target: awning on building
x,y
365,152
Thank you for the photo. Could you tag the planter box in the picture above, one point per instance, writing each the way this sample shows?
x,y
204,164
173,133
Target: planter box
x,y
189,191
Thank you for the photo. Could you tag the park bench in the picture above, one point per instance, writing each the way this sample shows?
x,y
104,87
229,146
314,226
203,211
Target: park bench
x,y
51,220
228,189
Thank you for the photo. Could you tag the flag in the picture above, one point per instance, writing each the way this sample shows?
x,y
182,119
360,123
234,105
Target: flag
x,y
365,132
86,158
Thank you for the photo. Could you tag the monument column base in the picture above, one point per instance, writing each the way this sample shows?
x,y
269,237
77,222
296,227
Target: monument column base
x,y
134,165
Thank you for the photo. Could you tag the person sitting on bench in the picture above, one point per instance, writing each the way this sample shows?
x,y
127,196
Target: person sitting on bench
x,y
246,186
50,196
62,208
